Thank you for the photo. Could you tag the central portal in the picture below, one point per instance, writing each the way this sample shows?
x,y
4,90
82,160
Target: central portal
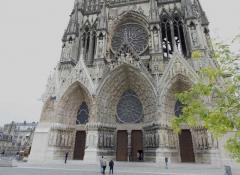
x,y
125,150
80,142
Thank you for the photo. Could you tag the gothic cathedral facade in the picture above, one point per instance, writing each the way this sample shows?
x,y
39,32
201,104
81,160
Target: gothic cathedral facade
x,y
113,91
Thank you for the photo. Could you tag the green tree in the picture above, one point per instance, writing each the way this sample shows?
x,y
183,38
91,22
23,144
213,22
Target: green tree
x,y
214,100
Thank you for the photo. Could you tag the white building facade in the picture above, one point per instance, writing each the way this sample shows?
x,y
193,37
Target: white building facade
x,y
113,90
18,136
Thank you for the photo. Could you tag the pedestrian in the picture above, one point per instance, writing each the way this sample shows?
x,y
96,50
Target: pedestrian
x,y
104,165
111,165
166,162
138,156
66,157
3,153
17,156
101,164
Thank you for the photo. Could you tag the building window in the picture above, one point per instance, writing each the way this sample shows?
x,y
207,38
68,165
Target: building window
x,y
89,40
94,43
173,33
178,108
101,36
85,42
129,108
83,114
131,34
166,37
179,34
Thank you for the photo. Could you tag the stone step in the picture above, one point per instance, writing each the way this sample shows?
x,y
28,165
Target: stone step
x,y
6,163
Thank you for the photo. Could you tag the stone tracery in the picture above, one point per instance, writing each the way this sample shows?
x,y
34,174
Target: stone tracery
x,y
131,34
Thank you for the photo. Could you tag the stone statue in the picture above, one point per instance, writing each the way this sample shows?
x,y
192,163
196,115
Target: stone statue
x,y
66,52
155,39
210,141
195,39
100,47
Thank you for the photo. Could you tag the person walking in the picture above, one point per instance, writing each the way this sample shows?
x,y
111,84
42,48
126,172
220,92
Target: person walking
x,y
104,165
66,157
166,162
101,164
111,165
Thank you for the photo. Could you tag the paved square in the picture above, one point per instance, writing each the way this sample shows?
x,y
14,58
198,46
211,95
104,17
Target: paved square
x,y
78,168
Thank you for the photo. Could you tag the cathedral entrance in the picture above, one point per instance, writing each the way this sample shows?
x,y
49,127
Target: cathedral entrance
x,y
80,142
186,146
122,146
137,145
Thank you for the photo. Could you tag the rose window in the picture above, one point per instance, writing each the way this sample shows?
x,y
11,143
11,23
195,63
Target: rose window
x,y
133,35
83,114
129,108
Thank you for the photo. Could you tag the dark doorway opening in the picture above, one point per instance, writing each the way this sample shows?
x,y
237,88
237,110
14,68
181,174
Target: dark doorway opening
x,y
122,146
186,146
137,146
80,142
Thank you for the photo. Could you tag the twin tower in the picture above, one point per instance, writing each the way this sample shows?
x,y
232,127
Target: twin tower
x,y
113,91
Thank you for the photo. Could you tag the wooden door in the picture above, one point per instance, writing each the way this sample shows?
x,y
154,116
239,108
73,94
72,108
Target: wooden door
x,y
122,146
80,143
137,145
186,146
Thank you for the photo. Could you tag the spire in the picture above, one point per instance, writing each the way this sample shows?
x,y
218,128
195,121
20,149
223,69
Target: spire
x,y
204,19
203,15
193,9
154,16
79,2
187,6
103,17
73,26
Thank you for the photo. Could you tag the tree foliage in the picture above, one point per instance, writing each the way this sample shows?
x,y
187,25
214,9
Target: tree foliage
x,y
214,100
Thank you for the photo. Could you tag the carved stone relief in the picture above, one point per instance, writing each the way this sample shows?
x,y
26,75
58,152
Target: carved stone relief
x,y
61,137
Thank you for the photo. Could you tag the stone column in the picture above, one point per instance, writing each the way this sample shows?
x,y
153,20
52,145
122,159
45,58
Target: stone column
x,y
91,151
129,145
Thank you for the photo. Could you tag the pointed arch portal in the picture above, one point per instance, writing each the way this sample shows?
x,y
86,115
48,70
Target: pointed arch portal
x,y
79,148
186,146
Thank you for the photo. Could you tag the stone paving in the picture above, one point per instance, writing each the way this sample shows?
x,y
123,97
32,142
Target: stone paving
x,y
78,168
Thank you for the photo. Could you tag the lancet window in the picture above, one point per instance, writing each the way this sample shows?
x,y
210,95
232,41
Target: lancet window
x,y
167,42
173,36
179,34
86,42
89,40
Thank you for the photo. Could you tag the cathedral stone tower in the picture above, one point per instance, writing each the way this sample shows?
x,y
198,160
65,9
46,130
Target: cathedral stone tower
x,y
113,90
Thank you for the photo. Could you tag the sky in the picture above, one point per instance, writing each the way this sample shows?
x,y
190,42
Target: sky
x,y
30,47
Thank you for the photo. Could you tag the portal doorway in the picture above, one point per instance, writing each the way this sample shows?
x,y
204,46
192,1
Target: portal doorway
x,y
80,143
137,145
186,146
122,146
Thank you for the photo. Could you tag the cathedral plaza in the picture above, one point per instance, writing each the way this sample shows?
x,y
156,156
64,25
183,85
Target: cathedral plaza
x,y
121,168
